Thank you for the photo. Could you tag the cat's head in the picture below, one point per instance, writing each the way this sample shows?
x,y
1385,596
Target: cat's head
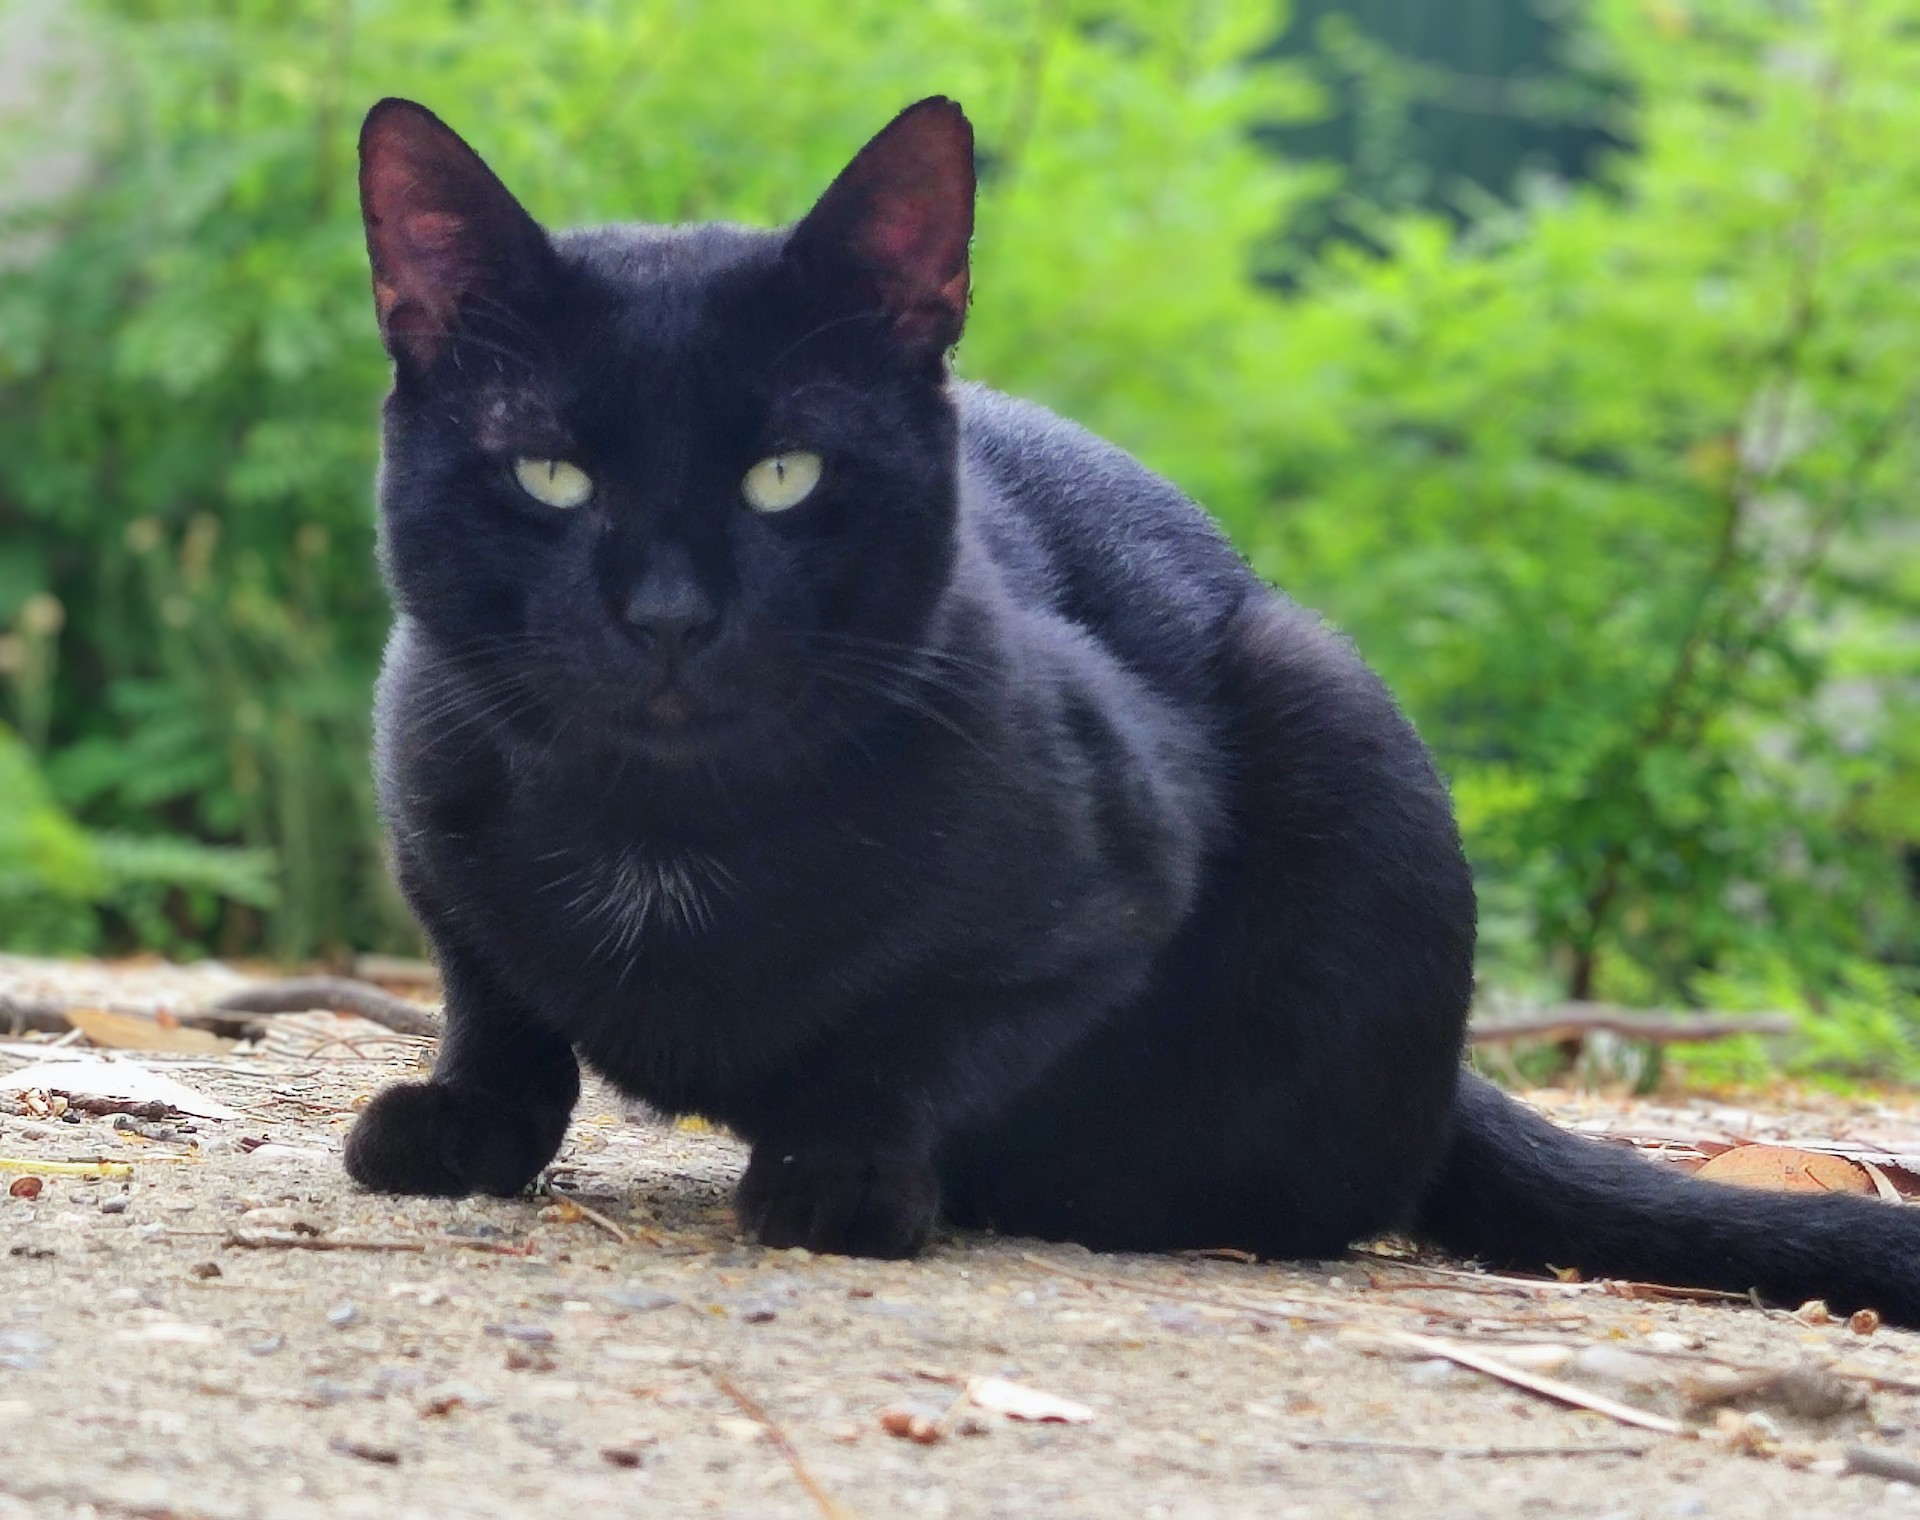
x,y
691,490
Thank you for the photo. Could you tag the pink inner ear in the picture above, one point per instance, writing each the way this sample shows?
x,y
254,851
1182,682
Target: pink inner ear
x,y
910,233
892,230
433,231
440,228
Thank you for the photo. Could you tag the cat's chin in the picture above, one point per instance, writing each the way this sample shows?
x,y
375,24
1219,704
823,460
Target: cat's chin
x,y
686,743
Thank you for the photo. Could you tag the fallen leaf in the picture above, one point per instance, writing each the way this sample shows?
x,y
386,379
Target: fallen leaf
x,y
25,1187
132,1031
1788,1169
1018,1402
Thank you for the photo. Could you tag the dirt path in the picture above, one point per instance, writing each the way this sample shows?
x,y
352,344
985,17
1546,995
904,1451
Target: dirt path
x,y
515,1358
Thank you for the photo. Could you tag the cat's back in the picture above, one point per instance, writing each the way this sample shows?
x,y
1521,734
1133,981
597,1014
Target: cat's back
x,y
1080,524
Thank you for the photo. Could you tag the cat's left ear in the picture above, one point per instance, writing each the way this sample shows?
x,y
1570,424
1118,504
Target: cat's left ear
x,y
443,233
890,235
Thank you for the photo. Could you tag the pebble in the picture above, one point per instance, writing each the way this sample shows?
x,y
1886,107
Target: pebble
x,y
444,1398
366,1451
116,1204
24,1350
639,1300
342,1315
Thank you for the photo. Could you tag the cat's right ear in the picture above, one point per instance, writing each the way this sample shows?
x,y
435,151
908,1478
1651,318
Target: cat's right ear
x,y
442,232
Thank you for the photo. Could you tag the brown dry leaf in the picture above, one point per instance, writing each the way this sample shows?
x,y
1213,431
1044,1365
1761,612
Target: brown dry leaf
x,y
1788,1169
1018,1402
130,1031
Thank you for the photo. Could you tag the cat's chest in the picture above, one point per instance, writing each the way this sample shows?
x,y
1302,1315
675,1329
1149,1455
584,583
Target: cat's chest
x,y
627,894
613,919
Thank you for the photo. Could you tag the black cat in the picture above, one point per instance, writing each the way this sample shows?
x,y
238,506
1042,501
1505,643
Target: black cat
x,y
916,784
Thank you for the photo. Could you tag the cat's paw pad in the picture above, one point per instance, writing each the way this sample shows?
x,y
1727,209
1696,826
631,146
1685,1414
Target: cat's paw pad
x,y
841,1202
429,1138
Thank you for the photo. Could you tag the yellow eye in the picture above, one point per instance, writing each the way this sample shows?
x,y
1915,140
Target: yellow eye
x,y
783,481
553,481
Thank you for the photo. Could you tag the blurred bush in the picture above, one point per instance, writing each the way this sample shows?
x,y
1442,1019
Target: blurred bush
x,y
1615,485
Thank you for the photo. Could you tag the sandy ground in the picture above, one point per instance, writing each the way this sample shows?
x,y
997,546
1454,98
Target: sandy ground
x,y
172,1344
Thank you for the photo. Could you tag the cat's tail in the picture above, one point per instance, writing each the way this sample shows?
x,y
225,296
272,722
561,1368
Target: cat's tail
x,y
1516,1191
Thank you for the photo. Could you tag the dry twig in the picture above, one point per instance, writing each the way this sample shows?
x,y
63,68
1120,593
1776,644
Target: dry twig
x,y
1533,1382
618,1231
1565,1021
331,994
304,994
1443,1449
287,1240
831,1507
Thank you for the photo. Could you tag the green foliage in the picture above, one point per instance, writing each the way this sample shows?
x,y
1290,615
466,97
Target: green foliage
x,y
1618,493
1615,487
59,884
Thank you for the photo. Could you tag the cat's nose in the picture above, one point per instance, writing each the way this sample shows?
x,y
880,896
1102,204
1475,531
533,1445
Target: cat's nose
x,y
667,608
673,624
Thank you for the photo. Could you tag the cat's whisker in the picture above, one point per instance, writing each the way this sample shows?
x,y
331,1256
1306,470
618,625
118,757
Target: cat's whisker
x,y
912,700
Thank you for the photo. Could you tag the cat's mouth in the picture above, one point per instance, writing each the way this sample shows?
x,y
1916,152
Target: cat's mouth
x,y
673,726
671,707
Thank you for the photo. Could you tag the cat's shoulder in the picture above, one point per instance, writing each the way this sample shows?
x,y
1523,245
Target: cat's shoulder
x,y
1022,443
1122,551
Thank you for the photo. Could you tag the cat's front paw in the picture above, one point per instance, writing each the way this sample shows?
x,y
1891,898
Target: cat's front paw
x,y
430,1138
839,1201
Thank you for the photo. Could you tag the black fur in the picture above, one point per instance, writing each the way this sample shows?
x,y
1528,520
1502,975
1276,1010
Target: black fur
x,y
978,836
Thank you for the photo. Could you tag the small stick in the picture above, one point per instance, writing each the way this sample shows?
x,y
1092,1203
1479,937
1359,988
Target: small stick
x,y
305,994
1539,1287
1572,1020
1441,1449
35,1015
1621,1288
831,1507
272,1240
1437,1285
489,1247
332,994
617,1231
1533,1382
1493,1282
